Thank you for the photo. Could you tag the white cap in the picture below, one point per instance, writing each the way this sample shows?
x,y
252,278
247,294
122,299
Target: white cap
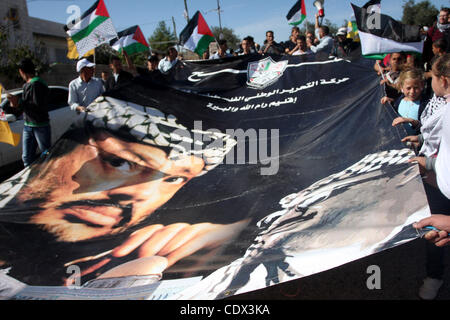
x,y
84,63
342,32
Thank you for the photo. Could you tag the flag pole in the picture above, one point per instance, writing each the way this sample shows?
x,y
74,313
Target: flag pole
x,y
187,12
379,68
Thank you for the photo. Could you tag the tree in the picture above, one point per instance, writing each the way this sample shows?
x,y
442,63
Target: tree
x,y
10,57
162,38
233,40
307,26
420,14
103,54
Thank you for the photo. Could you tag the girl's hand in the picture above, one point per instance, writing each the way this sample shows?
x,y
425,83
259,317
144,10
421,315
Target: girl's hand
x,y
400,120
385,100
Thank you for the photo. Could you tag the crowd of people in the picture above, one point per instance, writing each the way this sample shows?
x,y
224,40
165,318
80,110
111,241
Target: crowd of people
x,y
417,87
319,41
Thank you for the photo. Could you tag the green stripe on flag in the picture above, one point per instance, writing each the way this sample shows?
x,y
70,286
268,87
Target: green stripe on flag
x,y
381,56
203,44
88,30
375,56
296,23
135,48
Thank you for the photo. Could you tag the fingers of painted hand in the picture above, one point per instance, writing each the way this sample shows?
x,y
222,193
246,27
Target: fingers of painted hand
x,y
136,239
212,237
168,238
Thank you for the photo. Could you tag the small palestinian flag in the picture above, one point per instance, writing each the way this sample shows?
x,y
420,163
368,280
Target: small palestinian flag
x,y
131,40
380,34
92,29
196,36
297,13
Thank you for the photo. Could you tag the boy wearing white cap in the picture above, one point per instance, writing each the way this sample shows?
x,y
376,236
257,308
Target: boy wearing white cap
x,y
84,89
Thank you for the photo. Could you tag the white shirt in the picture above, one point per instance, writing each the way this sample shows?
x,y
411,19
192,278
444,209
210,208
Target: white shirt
x,y
165,65
443,158
326,44
431,128
84,93
299,53
217,56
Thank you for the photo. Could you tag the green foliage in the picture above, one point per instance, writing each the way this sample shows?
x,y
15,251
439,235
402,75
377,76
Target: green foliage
x,y
10,58
103,54
420,14
162,38
233,40
306,26
140,58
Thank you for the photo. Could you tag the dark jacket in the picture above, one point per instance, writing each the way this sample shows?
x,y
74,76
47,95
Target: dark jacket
x,y
34,103
344,49
123,78
276,48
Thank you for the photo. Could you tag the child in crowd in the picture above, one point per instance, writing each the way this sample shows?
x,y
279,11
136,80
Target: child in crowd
x,y
439,49
390,78
411,103
437,169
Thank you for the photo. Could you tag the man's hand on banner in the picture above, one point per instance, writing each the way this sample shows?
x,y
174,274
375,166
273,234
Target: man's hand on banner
x,y
440,237
428,176
13,100
80,109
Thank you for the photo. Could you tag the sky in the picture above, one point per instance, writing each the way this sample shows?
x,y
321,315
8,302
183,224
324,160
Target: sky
x,y
245,17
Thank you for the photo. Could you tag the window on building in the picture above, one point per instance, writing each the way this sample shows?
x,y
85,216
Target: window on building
x,y
13,17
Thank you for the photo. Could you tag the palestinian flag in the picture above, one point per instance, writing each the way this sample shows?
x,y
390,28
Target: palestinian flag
x,y
297,13
131,40
92,29
380,34
196,36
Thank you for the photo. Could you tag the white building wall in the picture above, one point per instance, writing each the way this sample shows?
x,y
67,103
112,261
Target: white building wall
x,y
19,31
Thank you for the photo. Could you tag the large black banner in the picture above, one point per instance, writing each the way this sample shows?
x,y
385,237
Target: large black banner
x,y
217,178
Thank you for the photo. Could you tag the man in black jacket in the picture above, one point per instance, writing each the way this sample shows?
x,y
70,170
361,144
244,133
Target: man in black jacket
x,y
33,103
119,75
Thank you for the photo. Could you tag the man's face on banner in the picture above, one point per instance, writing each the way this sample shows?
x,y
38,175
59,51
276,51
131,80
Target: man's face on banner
x,y
106,186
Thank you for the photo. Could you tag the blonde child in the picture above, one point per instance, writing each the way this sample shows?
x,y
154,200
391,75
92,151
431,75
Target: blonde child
x,y
411,103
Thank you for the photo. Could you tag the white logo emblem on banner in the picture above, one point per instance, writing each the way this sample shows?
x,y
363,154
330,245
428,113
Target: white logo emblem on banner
x,y
263,73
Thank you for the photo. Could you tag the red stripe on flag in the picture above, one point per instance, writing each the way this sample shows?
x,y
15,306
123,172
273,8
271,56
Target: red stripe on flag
x,y
101,9
203,27
303,8
139,37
